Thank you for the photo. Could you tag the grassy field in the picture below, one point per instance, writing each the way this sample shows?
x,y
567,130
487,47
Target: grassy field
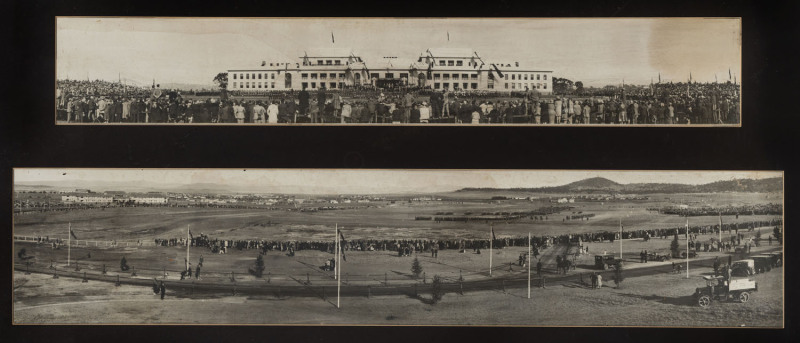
x,y
657,300
393,221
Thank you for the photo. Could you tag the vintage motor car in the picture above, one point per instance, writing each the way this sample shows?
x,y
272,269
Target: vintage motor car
x,y
655,256
720,289
743,268
763,263
605,262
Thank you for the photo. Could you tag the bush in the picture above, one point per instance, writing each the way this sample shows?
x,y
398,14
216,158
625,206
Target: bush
x,y
436,289
416,268
776,232
674,246
258,268
618,277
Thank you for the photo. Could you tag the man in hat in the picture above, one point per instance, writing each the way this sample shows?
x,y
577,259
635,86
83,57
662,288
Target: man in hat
x,y
303,96
414,116
238,112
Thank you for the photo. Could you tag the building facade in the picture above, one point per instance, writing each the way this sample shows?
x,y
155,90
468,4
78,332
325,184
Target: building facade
x,y
438,69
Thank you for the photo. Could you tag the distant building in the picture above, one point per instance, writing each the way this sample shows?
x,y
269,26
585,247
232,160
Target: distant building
x,y
82,199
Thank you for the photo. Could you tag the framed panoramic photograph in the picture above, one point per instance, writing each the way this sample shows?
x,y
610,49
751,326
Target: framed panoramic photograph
x,y
682,72
398,247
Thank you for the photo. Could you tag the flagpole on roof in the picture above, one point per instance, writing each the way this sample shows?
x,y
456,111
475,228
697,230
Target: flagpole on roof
x,y
687,245
620,238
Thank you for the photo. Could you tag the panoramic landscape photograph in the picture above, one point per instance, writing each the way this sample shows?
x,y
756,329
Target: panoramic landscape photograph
x,y
398,247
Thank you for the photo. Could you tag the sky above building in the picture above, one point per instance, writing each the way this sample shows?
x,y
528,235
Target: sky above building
x,y
597,52
358,181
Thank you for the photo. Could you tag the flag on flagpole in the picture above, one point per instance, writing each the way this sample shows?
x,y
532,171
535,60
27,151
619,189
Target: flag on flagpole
x,y
343,241
191,235
332,39
690,77
659,77
448,36
494,238
729,74
72,233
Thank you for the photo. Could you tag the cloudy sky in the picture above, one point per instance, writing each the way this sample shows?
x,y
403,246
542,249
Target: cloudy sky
x,y
361,181
596,51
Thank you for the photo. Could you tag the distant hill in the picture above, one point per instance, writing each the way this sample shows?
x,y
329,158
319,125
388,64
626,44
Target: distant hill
x,y
603,185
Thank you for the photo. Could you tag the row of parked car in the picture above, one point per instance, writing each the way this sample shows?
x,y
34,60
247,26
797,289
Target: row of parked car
x,y
739,286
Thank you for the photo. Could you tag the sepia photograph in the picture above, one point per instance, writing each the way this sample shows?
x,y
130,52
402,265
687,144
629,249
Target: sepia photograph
x,y
385,247
604,72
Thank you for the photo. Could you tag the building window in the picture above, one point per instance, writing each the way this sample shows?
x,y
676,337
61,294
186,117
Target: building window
x,y
313,85
466,85
545,76
513,85
272,85
373,75
272,76
241,76
328,62
341,75
338,62
506,85
247,85
506,76
332,75
389,75
455,85
254,77
313,76
490,84
545,86
538,77
474,85
259,85
446,85
259,76
234,76
455,76
322,76
450,63
526,76
304,76
247,76
304,84
442,63
459,63
437,85
234,84
319,62
513,76
404,76
241,85
474,76
446,77
333,85
436,77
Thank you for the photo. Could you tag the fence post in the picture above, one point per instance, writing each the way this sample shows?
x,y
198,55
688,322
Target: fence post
x,y
503,284
85,280
117,284
55,273
269,277
134,271
104,269
308,279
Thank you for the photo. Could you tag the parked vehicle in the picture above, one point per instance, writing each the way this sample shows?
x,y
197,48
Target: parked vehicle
x,y
743,268
605,262
763,263
654,256
717,288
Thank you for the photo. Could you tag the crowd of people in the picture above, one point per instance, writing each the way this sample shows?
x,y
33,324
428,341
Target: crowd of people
x,y
761,209
100,101
218,245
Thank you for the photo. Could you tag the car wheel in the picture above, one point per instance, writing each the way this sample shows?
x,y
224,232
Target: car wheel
x,y
744,297
704,301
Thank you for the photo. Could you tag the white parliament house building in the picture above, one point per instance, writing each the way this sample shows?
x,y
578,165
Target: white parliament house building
x,y
438,69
